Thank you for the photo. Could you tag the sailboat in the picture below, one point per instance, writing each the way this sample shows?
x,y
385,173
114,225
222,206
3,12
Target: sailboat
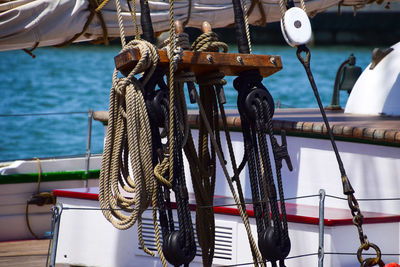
x,y
368,145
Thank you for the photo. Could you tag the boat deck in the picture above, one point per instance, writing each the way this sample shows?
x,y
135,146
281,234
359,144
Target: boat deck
x,y
307,122
23,253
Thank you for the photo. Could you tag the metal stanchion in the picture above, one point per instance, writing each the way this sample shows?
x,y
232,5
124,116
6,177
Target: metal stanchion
x,y
321,228
89,139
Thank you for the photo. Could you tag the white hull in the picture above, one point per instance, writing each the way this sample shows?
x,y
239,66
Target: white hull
x,y
377,90
373,171
87,238
14,196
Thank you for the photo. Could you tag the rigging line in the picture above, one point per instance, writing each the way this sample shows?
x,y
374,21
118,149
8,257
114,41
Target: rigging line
x,y
353,253
293,257
365,199
205,207
245,203
110,209
43,114
242,211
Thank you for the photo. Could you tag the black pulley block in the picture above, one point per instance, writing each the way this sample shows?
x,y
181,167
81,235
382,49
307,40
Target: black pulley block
x,y
271,246
154,107
249,86
174,251
258,94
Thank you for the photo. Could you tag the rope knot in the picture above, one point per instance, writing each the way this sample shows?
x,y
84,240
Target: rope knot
x,y
181,42
185,76
214,78
209,41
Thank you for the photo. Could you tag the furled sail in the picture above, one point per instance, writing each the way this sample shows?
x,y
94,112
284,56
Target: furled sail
x,y
31,23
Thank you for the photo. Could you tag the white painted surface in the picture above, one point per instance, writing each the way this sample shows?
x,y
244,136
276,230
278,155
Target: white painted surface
x,y
373,171
52,165
377,91
13,198
86,238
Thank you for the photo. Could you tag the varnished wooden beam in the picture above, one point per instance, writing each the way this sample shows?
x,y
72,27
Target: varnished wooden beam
x,y
205,62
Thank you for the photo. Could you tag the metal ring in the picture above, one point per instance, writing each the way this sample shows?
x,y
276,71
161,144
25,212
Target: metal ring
x,y
369,261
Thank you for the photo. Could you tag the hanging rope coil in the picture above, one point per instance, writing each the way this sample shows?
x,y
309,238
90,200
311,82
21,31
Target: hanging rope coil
x,y
179,246
39,199
128,133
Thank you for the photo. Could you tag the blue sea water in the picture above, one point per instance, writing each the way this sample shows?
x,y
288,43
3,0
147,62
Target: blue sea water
x,y
78,77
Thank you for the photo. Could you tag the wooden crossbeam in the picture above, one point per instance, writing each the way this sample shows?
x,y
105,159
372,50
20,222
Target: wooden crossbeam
x,y
206,62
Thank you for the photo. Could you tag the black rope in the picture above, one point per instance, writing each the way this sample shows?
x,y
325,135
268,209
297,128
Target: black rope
x,y
145,22
241,37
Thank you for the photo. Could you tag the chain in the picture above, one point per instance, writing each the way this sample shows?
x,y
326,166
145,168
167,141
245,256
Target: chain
x,y
347,188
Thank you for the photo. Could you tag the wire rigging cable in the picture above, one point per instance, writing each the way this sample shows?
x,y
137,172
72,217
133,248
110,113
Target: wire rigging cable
x,y
302,49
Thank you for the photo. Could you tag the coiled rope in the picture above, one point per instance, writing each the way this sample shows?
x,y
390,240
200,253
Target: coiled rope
x,y
39,199
128,133
128,144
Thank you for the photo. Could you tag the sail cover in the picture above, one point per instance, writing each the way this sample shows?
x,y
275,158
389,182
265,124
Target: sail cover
x,y
30,23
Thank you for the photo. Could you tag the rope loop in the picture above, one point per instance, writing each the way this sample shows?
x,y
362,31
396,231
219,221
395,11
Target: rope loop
x,y
305,61
160,170
148,61
128,140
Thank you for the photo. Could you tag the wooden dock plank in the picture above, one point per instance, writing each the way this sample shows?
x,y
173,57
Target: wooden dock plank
x,y
23,261
23,253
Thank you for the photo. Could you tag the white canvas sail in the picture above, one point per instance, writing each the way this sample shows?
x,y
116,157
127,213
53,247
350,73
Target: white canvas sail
x,y
27,23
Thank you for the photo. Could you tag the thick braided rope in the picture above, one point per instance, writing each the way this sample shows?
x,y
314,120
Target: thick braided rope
x,y
120,23
209,42
217,79
242,211
246,23
282,5
134,18
160,170
171,88
167,164
105,2
157,228
128,130
303,5
278,175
